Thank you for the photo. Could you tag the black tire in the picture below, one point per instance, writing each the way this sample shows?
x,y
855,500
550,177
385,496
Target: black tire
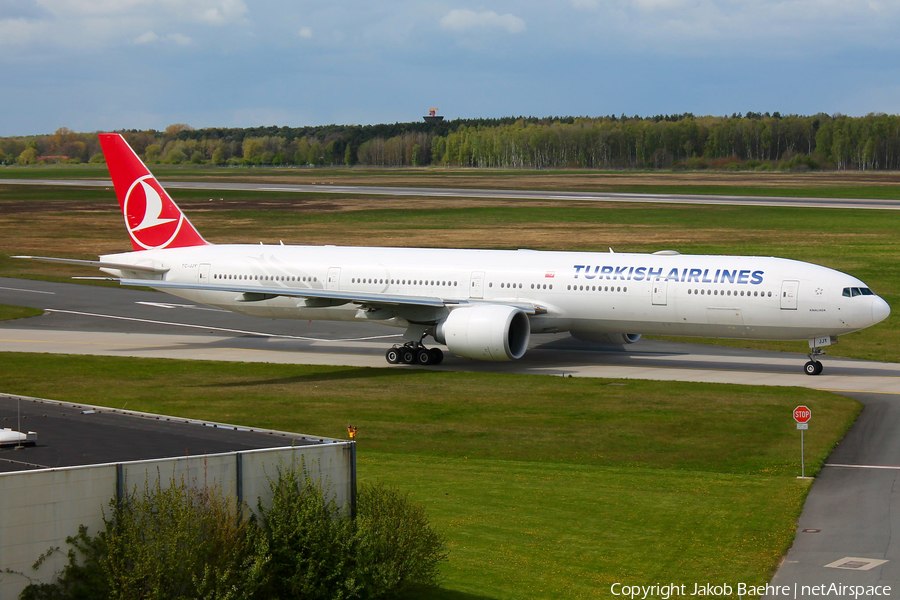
x,y
392,356
819,368
424,357
437,356
810,368
407,356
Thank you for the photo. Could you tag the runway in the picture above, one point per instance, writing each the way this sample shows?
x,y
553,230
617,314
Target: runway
x,y
847,516
125,322
495,194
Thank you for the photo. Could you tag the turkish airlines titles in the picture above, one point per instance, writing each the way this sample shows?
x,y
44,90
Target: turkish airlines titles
x,y
626,273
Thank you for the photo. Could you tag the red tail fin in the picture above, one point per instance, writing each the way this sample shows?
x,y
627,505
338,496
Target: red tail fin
x,y
152,219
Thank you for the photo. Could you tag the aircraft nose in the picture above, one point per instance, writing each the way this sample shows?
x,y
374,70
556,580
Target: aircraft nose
x,y
880,310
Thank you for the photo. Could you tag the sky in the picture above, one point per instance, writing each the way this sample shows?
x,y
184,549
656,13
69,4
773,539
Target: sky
x,y
93,65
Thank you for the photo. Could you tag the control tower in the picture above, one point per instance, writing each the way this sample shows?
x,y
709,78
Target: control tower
x,y
432,116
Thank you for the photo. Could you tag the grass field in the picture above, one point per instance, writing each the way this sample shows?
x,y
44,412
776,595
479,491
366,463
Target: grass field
x,y
8,313
82,223
829,184
547,487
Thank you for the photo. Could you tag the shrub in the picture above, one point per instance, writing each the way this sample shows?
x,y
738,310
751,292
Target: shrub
x,y
180,542
183,542
310,541
397,549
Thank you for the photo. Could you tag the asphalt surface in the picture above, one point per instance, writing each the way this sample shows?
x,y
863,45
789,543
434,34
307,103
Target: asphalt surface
x,y
126,322
849,511
74,434
847,534
496,194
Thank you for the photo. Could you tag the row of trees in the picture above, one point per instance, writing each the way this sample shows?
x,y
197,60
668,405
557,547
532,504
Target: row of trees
x,y
662,142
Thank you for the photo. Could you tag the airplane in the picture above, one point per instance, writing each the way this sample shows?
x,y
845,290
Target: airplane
x,y
480,304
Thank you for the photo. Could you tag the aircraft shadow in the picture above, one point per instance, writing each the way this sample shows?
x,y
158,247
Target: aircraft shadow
x,y
342,374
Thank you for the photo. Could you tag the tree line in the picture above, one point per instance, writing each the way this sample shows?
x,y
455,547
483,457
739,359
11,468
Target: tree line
x,y
741,141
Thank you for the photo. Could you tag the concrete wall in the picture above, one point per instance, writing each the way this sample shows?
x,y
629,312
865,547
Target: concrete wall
x,y
39,509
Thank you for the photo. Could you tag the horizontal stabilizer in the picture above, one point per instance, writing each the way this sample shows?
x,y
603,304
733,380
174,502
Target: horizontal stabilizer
x,y
98,264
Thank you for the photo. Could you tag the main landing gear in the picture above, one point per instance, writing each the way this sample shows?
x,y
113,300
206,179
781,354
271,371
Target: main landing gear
x,y
414,353
814,367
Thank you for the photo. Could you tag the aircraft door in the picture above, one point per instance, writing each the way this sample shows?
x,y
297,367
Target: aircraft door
x,y
789,291
333,280
203,273
476,285
660,289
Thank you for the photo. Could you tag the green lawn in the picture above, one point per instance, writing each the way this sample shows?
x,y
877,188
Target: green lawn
x,y
547,487
8,313
825,184
864,243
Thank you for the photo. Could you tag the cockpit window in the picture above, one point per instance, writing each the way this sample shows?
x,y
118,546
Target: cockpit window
x,y
853,292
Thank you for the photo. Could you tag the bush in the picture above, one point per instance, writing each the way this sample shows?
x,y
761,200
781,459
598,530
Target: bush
x,y
85,581
397,548
182,542
318,551
311,541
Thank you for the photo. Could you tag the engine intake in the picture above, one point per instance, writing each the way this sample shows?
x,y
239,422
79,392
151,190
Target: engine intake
x,y
485,332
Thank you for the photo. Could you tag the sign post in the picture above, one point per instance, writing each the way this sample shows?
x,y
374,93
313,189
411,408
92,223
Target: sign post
x,y
802,415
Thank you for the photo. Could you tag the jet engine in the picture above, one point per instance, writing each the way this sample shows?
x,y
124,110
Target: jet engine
x,y
485,332
606,338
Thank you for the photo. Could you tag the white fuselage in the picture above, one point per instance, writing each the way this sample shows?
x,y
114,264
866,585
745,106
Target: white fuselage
x,y
586,293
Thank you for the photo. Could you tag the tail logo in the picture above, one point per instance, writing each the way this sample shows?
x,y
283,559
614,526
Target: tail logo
x,y
152,219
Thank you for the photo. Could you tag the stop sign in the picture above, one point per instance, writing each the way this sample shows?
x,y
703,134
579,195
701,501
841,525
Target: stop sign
x,y
802,414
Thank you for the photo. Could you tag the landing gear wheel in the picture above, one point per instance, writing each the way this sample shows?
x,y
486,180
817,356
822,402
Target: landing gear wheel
x,y
813,367
424,357
437,356
392,356
407,356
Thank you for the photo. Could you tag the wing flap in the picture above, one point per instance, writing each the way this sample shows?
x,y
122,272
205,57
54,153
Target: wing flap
x,y
257,293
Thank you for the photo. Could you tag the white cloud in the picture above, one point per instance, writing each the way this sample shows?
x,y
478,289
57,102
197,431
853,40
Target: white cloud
x,y
181,40
150,37
146,38
305,32
463,19
88,25
212,12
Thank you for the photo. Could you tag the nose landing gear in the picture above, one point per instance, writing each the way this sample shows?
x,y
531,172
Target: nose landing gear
x,y
414,353
814,367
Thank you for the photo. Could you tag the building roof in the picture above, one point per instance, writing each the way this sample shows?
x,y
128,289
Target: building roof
x,y
71,434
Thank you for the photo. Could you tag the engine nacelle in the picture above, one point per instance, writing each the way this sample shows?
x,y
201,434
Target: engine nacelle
x,y
606,338
485,332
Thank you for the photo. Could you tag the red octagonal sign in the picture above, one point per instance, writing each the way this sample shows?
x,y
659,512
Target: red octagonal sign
x,y
802,414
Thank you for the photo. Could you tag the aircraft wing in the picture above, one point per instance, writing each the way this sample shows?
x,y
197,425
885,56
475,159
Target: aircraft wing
x,y
257,293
